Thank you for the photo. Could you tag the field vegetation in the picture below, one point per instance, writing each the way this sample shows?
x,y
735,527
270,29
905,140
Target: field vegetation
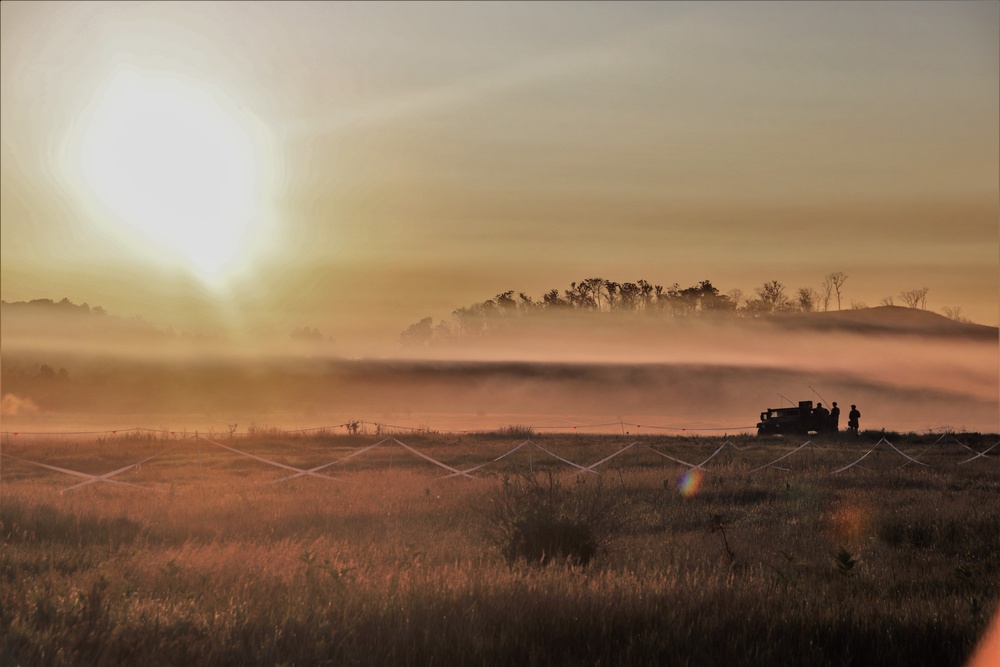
x,y
208,556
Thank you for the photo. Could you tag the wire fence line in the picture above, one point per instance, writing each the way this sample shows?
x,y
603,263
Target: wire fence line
x,y
365,426
321,471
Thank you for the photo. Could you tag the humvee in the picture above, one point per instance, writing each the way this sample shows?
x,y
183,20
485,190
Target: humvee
x,y
797,420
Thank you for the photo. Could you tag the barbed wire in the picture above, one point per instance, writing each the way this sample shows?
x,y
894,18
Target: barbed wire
x,y
91,478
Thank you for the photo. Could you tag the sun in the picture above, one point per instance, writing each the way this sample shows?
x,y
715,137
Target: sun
x,y
171,162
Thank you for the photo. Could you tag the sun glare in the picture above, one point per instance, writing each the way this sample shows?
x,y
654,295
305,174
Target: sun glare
x,y
166,158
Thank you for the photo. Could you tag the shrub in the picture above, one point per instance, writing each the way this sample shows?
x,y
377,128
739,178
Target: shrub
x,y
536,519
539,537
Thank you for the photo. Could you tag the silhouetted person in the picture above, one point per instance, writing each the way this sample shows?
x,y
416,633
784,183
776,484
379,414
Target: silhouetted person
x,y
835,417
852,419
822,416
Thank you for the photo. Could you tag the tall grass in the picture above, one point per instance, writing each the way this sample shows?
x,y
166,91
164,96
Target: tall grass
x,y
395,565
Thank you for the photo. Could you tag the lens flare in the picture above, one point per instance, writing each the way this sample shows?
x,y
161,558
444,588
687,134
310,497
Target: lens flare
x,y
689,483
850,522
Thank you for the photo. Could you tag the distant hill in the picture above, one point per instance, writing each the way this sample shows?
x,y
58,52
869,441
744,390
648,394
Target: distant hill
x,y
44,320
888,319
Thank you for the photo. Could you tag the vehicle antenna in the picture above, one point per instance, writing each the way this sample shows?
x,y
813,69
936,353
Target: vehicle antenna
x,y
787,399
818,394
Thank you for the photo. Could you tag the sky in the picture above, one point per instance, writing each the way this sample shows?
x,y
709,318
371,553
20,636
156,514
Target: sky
x,y
357,167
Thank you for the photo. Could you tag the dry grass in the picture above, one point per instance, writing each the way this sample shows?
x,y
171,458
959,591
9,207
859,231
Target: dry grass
x,y
215,564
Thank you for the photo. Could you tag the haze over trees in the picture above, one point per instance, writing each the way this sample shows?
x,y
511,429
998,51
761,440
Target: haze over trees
x,y
519,355
40,316
603,298
599,295
44,317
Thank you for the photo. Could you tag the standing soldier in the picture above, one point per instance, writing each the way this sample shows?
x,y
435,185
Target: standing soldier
x,y
835,417
852,418
821,417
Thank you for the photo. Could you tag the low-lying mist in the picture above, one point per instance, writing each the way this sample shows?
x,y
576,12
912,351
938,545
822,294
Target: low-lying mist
x,y
697,372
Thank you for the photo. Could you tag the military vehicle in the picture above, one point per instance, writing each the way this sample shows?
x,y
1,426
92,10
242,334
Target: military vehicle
x,y
799,420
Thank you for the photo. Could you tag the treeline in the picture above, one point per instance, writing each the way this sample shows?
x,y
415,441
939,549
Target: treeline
x,y
40,315
601,295
62,307
44,316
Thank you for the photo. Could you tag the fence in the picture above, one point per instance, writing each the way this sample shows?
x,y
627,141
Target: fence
x,y
177,439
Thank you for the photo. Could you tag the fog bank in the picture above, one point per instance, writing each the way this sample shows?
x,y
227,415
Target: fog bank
x,y
905,370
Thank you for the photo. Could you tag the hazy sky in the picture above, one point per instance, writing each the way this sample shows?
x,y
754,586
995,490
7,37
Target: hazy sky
x,y
356,167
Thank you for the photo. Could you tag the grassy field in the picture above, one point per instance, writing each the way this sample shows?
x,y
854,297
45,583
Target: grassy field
x,y
211,559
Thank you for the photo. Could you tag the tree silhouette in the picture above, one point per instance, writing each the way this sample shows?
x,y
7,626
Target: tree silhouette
x,y
593,290
735,295
645,294
611,289
573,296
835,281
773,293
770,299
807,298
676,301
826,293
915,298
470,321
954,314
598,294
710,300
551,299
628,296
659,298
419,334
505,303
